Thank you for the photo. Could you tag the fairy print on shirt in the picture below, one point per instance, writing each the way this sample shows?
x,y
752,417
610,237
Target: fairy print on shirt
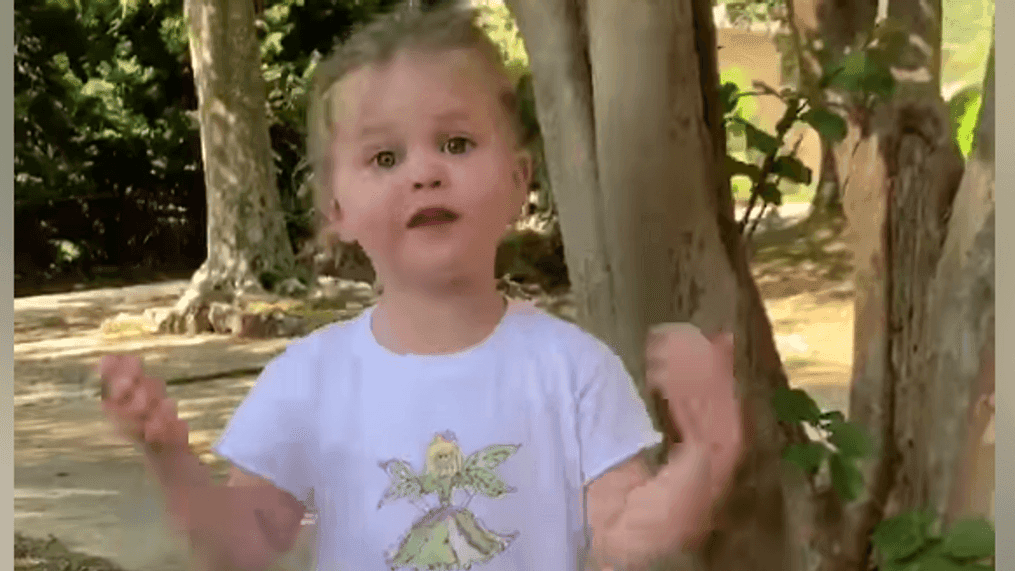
x,y
447,536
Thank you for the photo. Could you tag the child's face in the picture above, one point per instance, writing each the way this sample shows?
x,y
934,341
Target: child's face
x,y
426,132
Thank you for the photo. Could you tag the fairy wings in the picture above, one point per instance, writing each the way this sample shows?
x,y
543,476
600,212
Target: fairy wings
x,y
476,476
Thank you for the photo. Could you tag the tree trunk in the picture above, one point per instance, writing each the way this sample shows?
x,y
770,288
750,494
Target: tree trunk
x,y
960,463
248,245
621,125
827,199
900,173
833,26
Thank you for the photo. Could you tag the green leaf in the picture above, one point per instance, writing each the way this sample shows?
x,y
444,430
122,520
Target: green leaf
x,y
758,139
846,477
877,78
735,127
808,456
901,536
902,566
770,194
728,96
795,405
832,416
735,167
791,168
486,482
963,110
850,439
938,563
970,539
848,75
830,126
892,36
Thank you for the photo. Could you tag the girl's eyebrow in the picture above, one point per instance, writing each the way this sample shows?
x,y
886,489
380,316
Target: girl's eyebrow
x,y
370,130
454,115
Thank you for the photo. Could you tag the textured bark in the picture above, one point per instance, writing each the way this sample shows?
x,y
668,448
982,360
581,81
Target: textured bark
x,y
962,368
832,25
555,37
247,239
827,196
900,174
635,153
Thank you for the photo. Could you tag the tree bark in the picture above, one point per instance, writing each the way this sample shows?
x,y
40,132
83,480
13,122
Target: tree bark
x,y
635,150
612,120
832,26
962,365
900,174
827,199
247,240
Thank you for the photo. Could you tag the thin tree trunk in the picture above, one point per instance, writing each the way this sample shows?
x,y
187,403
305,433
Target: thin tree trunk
x,y
832,26
827,199
647,219
962,372
899,171
247,239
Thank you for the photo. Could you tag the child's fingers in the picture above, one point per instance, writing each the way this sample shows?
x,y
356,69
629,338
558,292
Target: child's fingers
x,y
164,427
155,430
118,389
142,404
689,420
119,373
119,366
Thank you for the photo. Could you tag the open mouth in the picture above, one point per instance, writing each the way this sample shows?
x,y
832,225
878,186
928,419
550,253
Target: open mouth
x,y
432,217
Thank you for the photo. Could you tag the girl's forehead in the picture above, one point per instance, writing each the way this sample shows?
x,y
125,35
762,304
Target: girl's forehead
x,y
436,81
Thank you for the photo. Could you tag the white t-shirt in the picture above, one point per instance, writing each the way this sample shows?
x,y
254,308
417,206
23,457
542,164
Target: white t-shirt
x,y
478,458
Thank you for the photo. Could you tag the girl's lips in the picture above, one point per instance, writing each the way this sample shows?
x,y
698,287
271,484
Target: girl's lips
x,y
432,216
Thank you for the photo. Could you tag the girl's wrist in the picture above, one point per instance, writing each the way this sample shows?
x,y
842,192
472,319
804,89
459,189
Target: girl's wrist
x,y
177,467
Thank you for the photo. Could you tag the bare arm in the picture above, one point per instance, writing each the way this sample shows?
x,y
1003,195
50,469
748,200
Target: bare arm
x,y
246,523
638,518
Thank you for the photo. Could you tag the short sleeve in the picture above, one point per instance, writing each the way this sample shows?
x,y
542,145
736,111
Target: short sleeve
x,y
613,422
270,434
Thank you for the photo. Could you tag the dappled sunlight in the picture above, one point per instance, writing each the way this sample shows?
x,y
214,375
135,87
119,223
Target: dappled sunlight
x,y
804,274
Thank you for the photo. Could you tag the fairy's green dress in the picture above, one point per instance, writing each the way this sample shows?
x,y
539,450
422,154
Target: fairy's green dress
x,y
447,537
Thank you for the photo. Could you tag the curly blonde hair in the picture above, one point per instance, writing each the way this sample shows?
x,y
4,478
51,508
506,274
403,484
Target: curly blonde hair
x,y
452,26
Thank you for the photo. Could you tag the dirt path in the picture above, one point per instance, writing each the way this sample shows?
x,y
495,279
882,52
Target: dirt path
x,y
73,477
75,480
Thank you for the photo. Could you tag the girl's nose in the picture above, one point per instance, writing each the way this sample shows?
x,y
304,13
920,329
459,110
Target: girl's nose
x,y
427,172
432,183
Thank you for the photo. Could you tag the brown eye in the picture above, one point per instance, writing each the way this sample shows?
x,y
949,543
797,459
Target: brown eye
x,y
385,159
457,145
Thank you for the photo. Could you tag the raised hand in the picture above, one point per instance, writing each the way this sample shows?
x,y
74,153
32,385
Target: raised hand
x,y
138,407
695,375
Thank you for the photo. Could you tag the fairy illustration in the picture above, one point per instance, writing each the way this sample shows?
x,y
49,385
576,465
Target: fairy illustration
x,y
447,537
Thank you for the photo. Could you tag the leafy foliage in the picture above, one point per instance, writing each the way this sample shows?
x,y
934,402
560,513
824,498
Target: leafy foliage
x,y
841,446
905,542
107,149
964,110
863,76
908,542
761,157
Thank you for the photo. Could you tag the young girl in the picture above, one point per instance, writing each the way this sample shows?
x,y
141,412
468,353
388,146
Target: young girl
x,y
445,427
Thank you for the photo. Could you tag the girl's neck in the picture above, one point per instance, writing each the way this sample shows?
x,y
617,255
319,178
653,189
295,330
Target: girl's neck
x,y
432,323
